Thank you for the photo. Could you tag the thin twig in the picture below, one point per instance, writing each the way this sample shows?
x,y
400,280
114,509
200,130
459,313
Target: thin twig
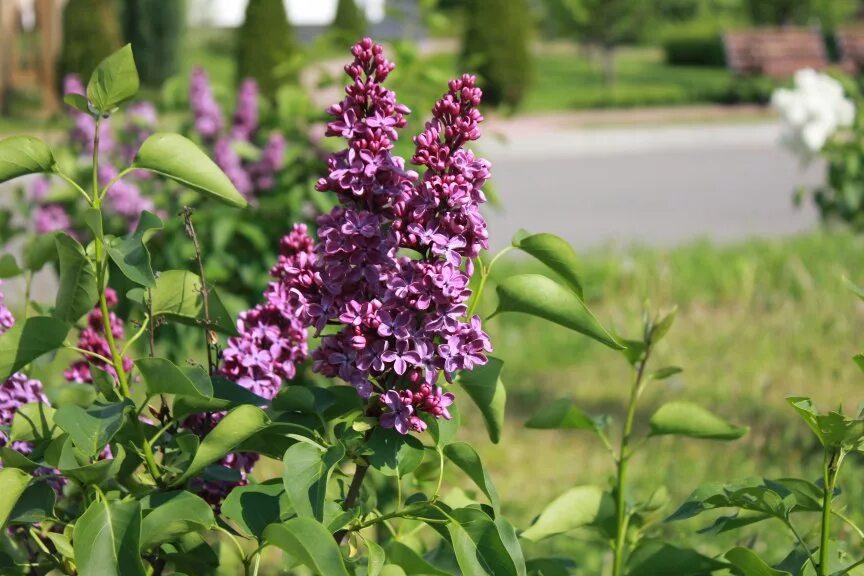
x,y
351,497
210,338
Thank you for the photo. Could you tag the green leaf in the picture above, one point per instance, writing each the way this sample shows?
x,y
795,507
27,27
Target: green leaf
x,y
483,385
13,483
255,506
466,458
563,415
441,430
662,327
833,429
664,373
14,459
27,341
9,267
106,539
33,422
394,454
483,545
775,498
226,395
578,507
654,558
410,561
39,250
177,295
179,159
172,514
693,421
376,556
130,253
78,291
36,504
543,297
554,252
79,102
310,543
306,472
750,564
92,428
230,432
114,81
74,464
162,376
22,155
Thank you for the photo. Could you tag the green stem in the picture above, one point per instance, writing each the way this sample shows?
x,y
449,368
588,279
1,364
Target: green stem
x,y
624,454
829,476
74,185
114,181
800,541
116,357
90,353
137,335
484,276
28,285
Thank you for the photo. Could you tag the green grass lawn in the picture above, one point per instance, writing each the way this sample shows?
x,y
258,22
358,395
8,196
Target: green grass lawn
x,y
757,321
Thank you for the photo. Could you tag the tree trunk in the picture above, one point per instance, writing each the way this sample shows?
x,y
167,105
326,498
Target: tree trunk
x,y
609,65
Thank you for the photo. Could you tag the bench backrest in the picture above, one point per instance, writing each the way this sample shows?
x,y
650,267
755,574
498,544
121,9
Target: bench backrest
x,y
774,51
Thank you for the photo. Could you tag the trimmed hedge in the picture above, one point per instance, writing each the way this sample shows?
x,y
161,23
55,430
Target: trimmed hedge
x,y
696,50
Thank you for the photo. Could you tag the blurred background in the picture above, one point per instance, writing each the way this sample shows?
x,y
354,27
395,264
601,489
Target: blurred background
x,y
638,130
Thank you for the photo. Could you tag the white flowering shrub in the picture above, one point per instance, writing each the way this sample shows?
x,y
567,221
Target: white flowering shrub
x,y
820,119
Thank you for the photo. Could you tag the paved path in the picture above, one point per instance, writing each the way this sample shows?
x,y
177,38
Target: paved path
x,y
659,186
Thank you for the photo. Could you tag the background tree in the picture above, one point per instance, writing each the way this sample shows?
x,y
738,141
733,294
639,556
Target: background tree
x,y
155,30
266,46
608,24
91,31
496,46
349,24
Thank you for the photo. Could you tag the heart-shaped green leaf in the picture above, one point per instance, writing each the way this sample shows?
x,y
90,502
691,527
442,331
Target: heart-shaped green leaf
x,y
177,295
563,415
554,252
541,296
578,507
162,376
106,539
92,428
467,459
179,159
130,253
484,386
255,506
13,482
114,81
693,421
27,341
306,472
238,425
310,543
169,515
22,155
78,291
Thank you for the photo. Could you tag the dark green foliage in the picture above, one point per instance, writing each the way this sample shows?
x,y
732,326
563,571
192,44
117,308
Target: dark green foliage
x,y
155,30
349,25
695,50
91,31
265,46
496,47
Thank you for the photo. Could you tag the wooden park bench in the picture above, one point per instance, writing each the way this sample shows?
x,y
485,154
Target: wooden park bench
x,y
850,42
776,52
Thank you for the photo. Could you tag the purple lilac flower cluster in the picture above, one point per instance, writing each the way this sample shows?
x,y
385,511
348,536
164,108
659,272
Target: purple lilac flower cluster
x,y
17,390
249,176
92,338
271,343
403,319
272,338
